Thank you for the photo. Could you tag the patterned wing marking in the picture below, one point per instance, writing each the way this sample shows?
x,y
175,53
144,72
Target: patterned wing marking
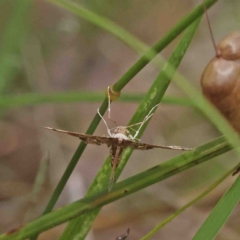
x,y
146,146
98,140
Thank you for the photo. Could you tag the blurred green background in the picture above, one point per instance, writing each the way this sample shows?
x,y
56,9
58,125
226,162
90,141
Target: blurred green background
x,y
46,50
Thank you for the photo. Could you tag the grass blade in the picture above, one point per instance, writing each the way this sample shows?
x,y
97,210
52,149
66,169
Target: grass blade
x,y
31,99
220,213
122,189
12,38
195,200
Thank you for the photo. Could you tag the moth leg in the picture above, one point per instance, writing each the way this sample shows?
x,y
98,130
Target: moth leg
x,y
130,136
145,120
141,124
108,130
137,131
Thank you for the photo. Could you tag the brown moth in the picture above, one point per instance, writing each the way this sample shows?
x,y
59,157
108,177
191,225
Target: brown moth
x,y
118,140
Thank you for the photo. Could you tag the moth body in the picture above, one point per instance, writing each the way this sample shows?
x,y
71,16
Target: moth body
x,y
120,136
121,133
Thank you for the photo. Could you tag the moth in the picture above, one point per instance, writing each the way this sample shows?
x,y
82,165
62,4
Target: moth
x,y
119,139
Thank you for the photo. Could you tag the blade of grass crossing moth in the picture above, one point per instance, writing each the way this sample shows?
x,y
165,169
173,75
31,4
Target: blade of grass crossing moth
x,y
135,183
195,200
220,213
78,228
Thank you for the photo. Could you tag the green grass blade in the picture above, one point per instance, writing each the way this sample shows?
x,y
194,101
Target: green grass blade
x,y
122,189
78,228
195,200
13,36
30,99
220,213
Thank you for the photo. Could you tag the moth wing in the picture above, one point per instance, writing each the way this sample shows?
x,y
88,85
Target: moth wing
x,y
146,146
98,140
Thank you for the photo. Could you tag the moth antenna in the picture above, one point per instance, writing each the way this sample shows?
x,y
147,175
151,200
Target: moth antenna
x,y
108,130
210,30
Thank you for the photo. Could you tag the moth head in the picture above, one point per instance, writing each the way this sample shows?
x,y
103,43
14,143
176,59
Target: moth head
x,y
121,129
